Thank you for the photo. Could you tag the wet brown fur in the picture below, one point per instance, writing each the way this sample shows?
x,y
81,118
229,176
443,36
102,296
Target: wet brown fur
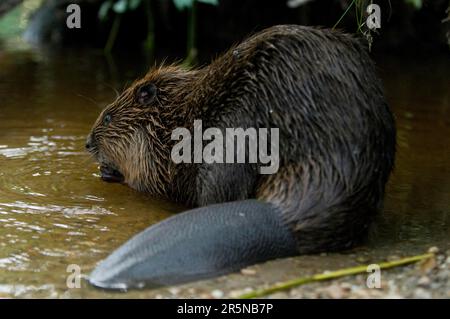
x,y
337,135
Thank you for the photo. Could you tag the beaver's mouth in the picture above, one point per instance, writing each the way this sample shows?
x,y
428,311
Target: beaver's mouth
x,y
110,174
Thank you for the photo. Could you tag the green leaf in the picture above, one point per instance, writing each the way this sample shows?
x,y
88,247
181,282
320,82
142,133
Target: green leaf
x,y
416,3
120,6
182,4
104,9
211,2
134,4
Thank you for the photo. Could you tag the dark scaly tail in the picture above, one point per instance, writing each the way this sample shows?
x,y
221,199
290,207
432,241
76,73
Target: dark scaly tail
x,y
200,243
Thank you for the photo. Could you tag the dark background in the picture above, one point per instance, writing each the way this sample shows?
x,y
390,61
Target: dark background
x,y
405,27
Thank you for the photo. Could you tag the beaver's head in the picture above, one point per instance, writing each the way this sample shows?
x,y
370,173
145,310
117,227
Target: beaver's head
x,y
131,137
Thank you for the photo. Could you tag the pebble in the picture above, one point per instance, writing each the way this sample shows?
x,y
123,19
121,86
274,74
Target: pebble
x,y
191,291
237,293
279,295
217,294
433,250
174,291
335,292
422,293
362,293
424,281
248,271
346,286
362,259
427,265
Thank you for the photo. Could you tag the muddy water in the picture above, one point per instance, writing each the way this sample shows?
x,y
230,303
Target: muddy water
x,y
55,211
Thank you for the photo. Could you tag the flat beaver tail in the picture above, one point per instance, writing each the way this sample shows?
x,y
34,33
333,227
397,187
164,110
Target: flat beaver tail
x,y
200,243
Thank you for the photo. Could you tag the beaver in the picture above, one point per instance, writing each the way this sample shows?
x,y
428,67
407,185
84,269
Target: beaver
x,y
337,142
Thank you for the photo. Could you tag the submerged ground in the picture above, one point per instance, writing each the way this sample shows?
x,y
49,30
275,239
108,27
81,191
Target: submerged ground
x,y
55,211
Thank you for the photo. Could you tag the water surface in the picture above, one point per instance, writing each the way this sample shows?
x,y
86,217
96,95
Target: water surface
x,y
55,210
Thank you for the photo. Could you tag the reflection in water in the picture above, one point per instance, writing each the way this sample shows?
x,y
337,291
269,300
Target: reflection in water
x,y
55,211
418,201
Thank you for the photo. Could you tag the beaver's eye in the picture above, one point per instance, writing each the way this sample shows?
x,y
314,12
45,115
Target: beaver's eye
x,y
107,119
146,93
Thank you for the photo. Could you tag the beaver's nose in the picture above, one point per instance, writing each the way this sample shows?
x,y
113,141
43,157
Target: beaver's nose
x,y
89,142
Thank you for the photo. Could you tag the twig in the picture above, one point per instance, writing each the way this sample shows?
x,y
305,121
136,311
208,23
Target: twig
x,y
343,15
113,34
332,275
191,57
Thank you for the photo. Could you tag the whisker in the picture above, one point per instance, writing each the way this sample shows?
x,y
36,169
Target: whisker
x,y
126,84
90,100
87,160
113,88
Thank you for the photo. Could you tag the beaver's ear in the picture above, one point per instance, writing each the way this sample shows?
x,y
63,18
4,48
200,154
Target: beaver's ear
x,y
146,94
